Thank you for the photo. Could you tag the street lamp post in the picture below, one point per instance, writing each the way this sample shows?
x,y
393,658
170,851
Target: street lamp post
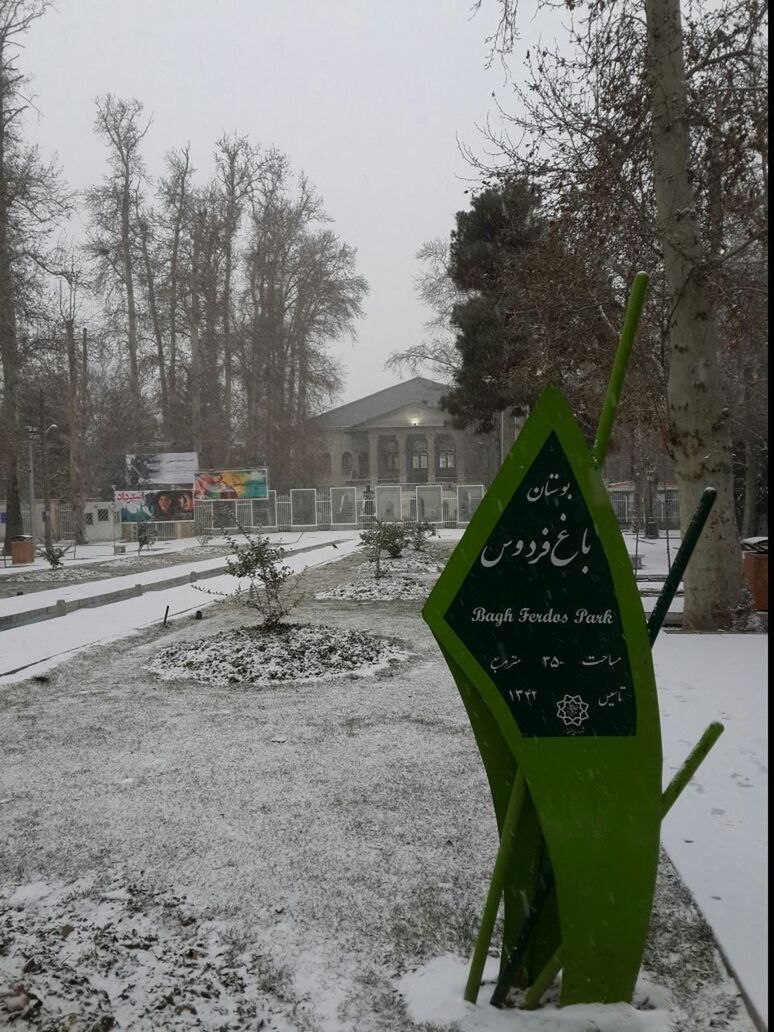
x,y
651,523
46,487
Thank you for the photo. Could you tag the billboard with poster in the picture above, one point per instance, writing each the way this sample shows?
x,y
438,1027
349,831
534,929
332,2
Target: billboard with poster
x,y
430,503
344,505
171,504
131,506
161,469
224,484
303,507
388,507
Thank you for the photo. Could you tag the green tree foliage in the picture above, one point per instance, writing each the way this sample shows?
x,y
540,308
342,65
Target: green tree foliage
x,y
490,247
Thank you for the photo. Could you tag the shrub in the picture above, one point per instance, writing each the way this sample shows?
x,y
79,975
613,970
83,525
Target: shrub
x,y
260,562
419,534
380,537
53,555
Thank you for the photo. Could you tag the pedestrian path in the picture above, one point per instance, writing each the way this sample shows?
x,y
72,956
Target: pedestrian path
x,y
65,598
32,649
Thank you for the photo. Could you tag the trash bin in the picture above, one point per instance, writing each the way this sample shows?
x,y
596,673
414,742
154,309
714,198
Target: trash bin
x,y
22,550
755,560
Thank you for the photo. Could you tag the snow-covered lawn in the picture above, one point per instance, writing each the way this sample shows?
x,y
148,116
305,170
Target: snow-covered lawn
x,y
316,853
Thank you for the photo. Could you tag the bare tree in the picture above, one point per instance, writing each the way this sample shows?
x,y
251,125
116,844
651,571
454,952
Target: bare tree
x,y
113,207
302,292
237,165
32,201
175,190
647,180
68,308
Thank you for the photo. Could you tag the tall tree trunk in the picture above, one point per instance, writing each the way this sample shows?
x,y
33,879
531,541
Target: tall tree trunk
x,y
194,321
750,514
179,215
9,355
227,348
131,308
752,460
699,420
47,533
84,400
74,436
155,321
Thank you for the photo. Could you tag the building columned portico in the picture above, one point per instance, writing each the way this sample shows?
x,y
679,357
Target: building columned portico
x,y
399,435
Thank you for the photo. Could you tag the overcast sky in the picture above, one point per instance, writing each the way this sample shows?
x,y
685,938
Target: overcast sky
x,y
367,97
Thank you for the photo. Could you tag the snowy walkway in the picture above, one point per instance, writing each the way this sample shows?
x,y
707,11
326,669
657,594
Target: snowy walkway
x,y
717,833
37,647
109,585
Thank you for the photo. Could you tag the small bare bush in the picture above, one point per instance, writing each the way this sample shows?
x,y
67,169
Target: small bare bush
x,y
260,563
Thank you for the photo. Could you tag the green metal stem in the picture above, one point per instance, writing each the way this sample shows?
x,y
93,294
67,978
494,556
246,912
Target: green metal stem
x,y
545,883
534,994
695,757
621,361
671,793
502,863
684,553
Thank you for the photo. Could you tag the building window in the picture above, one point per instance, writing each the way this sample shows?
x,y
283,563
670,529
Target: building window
x,y
419,455
446,458
346,464
325,464
363,464
391,463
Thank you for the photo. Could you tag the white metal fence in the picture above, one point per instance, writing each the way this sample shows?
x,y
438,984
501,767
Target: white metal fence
x,y
285,512
304,508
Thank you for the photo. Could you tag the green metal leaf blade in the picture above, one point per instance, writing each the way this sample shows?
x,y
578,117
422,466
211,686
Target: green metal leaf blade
x,y
584,728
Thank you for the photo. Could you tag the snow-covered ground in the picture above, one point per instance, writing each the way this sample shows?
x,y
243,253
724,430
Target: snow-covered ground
x,y
101,551
717,833
108,773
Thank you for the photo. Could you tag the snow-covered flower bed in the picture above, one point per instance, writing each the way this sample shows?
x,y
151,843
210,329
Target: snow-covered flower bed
x,y
408,577
295,652
385,589
411,562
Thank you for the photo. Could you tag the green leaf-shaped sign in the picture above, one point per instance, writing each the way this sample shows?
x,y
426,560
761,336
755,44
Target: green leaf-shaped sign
x,y
538,615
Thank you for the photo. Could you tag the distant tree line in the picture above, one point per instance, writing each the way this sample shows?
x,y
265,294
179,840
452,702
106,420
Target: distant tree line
x,y
193,316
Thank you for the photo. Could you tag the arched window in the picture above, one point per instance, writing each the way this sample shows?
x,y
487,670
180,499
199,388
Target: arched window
x,y
346,464
446,458
419,455
445,454
391,455
324,463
